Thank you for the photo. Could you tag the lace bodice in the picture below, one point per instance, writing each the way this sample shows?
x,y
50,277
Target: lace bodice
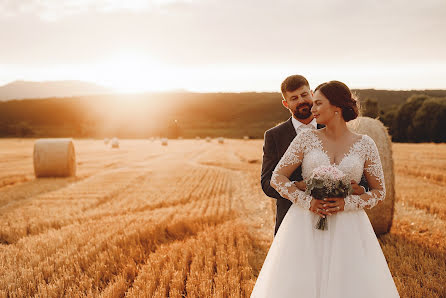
x,y
307,150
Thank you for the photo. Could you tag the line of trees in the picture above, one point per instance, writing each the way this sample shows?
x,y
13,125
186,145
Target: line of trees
x,y
416,118
420,118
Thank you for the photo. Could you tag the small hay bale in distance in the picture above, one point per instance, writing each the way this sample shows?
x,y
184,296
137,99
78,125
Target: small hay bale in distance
x,y
164,141
208,139
245,138
115,143
380,216
54,158
221,140
197,138
106,141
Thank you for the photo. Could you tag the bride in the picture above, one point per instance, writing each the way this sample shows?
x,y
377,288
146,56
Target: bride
x,y
345,260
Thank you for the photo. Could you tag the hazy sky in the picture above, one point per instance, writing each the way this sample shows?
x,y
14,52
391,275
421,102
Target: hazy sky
x,y
227,45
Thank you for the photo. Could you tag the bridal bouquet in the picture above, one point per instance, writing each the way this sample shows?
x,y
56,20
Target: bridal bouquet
x,y
327,182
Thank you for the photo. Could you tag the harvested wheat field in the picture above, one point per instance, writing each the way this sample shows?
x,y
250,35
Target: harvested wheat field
x,y
186,219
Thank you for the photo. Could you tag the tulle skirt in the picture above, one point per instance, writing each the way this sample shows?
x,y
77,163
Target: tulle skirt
x,y
343,261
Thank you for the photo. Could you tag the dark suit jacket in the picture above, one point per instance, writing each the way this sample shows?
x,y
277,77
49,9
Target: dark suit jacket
x,y
276,142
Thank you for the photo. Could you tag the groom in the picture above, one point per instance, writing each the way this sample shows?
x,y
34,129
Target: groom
x,y
298,99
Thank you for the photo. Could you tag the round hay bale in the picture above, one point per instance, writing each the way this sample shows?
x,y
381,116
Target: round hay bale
x,y
115,143
106,141
208,139
164,141
245,138
221,140
54,158
380,216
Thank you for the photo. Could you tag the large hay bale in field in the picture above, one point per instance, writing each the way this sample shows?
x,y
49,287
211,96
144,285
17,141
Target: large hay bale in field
x,y
221,140
208,139
164,141
54,158
115,143
380,216
106,141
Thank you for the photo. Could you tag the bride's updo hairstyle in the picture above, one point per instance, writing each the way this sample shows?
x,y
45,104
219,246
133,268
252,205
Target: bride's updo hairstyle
x,y
339,95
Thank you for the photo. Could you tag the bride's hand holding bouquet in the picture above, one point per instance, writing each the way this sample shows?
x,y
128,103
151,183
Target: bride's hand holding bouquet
x,y
328,186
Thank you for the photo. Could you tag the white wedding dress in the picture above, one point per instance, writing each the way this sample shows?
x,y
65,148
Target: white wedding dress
x,y
343,261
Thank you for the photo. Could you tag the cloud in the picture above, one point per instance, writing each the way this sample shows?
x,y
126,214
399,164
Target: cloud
x,y
53,10
210,34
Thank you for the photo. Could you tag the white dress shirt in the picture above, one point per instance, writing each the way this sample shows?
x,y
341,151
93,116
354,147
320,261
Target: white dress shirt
x,y
298,126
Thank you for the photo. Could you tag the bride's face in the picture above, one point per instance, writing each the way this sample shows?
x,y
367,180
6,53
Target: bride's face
x,y
322,109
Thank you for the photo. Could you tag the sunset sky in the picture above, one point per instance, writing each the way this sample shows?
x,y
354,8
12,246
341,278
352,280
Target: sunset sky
x,y
231,45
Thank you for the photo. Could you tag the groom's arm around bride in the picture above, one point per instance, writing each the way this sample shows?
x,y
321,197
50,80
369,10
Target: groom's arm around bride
x,y
298,99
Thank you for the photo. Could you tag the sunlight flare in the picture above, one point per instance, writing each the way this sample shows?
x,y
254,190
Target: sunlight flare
x,y
131,72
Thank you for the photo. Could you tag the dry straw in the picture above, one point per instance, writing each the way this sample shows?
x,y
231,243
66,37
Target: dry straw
x,y
381,215
54,158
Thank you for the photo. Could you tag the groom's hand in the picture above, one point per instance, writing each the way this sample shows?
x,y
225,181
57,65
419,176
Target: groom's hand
x,y
357,189
301,185
333,205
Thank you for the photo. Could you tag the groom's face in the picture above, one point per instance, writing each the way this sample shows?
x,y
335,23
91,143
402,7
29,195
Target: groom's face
x,y
299,102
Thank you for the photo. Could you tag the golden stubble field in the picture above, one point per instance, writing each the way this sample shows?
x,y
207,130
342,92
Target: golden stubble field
x,y
187,219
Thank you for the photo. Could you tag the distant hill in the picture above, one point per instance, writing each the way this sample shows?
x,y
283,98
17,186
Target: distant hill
x,y
30,90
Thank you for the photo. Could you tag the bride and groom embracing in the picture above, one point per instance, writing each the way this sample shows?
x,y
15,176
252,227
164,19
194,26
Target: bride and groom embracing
x,y
344,260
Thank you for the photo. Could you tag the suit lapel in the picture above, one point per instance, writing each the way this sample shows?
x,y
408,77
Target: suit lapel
x,y
287,135
291,131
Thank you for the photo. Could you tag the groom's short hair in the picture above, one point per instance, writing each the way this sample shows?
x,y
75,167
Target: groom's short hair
x,y
292,83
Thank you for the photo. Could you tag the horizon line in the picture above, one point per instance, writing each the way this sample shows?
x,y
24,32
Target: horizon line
x,y
179,90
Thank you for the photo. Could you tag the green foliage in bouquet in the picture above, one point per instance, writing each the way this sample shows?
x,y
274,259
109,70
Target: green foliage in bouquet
x,y
321,187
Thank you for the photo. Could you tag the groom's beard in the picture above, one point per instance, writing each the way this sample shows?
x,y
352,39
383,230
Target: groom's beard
x,y
303,111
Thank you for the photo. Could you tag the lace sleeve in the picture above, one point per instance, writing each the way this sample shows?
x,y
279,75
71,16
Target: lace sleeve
x,y
373,172
289,162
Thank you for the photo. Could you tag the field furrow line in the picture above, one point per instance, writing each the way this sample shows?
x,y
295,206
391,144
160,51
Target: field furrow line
x,y
106,246
212,260
421,194
62,207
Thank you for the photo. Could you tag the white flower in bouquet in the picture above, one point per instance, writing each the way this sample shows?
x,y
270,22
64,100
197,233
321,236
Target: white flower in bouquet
x,y
327,182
